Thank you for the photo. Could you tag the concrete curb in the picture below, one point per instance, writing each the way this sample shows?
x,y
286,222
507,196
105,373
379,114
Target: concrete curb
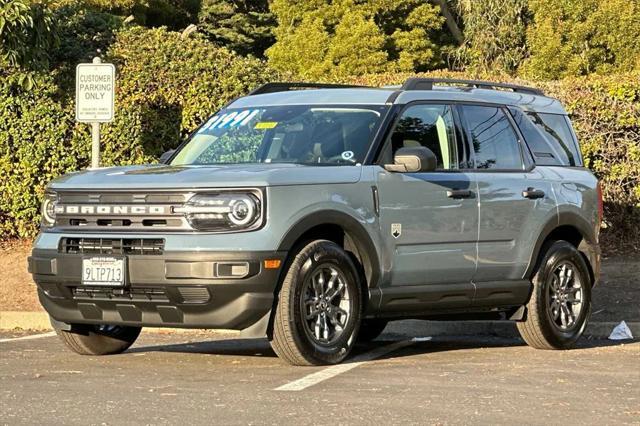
x,y
11,320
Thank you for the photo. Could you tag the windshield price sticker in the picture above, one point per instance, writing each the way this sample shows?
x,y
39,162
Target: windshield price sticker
x,y
265,125
230,119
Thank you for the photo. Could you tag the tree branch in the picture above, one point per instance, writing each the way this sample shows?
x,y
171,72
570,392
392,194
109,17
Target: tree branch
x,y
450,20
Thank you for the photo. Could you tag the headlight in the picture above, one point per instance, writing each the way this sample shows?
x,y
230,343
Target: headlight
x,y
48,209
224,211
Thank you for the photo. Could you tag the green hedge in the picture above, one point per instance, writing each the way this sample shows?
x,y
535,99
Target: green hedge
x,y
605,111
166,86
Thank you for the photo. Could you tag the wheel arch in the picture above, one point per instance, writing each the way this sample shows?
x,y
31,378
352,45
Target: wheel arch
x,y
573,228
341,228
335,226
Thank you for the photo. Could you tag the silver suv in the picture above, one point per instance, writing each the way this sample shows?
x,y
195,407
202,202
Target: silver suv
x,y
314,214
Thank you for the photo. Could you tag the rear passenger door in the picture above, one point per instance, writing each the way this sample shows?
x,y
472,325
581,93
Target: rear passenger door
x,y
514,200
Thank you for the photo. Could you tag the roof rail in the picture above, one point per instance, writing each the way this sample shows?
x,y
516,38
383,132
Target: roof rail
x,y
285,87
416,83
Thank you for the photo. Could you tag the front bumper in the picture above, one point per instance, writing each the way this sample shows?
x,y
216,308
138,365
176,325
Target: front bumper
x,y
172,289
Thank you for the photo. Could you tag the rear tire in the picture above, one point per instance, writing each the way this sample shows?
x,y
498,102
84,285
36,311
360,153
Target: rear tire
x,y
98,339
318,312
560,303
370,329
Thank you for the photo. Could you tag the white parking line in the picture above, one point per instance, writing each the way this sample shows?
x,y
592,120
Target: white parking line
x,y
33,336
329,372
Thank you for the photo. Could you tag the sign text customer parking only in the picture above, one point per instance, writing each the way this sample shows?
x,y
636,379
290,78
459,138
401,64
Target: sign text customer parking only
x,y
95,93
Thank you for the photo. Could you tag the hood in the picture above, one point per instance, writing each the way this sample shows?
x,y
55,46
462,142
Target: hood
x,y
180,177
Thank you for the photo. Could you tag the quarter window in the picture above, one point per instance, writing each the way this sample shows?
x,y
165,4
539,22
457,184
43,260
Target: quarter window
x,y
556,130
495,143
544,153
431,126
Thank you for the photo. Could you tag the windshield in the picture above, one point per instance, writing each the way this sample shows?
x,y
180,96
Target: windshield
x,y
301,134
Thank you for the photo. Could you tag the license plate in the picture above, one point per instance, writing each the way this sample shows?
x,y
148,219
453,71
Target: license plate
x,y
103,270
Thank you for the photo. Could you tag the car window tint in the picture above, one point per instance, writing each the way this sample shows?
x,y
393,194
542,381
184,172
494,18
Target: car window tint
x,y
558,133
431,126
544,153
495,143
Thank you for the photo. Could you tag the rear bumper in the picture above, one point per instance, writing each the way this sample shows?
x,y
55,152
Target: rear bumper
x,y
174,289
593,255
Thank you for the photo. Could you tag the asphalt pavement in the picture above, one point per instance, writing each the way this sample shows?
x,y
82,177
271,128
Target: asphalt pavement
x,y
207,378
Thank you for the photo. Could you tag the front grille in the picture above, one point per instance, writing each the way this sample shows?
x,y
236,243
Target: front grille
x,y
142,246
120,294
115,211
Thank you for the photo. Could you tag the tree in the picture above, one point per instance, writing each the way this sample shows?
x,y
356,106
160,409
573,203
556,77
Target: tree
x,y
578,37
320,39
173,14
26,35
494,35
243,26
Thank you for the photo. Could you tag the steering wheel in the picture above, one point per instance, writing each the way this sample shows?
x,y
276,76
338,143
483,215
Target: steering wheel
x,y
338,158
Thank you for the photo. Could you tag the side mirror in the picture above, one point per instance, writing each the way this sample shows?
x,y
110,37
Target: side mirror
x,y
164,158
413,160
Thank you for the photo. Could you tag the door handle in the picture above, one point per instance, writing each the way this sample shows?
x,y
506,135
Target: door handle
x,y
459,193
532,193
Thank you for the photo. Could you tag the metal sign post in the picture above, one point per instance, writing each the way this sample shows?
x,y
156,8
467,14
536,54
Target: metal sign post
x,y
95,145
95,88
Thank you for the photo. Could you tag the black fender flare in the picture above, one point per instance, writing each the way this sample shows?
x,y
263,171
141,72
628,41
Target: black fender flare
x,y
352,226
567,218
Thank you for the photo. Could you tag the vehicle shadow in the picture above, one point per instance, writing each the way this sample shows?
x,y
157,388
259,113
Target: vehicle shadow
x,y
232,346
260,348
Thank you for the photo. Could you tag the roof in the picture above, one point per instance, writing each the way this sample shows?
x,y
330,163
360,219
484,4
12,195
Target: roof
x,y
349,96
526,101
529,99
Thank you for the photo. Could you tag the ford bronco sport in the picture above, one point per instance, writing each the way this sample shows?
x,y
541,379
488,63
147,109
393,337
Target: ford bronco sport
x,y
313,214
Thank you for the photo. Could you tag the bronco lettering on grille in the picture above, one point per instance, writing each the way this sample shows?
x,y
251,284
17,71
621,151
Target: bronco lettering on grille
x,y
67,209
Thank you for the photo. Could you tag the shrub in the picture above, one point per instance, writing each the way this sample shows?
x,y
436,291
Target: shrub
x,y
319,38
246,27
37,143
606,116
27,34
166,86
578,37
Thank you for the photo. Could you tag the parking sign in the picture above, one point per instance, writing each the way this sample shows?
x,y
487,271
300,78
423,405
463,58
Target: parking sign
x,y
95,84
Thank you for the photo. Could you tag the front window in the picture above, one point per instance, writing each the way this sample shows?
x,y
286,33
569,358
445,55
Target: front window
x,y
300,134
431,126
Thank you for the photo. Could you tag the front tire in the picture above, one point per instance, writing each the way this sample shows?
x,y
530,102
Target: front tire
x,y
98,339
560,303
319,307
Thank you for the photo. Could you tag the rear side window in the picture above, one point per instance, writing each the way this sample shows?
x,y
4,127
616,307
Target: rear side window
x,y
494,140
557,132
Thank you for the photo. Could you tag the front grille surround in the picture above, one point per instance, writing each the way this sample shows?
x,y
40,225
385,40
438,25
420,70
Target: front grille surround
x,y
147,211
112,246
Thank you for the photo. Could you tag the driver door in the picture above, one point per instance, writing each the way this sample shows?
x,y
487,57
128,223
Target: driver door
x,y
429,220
